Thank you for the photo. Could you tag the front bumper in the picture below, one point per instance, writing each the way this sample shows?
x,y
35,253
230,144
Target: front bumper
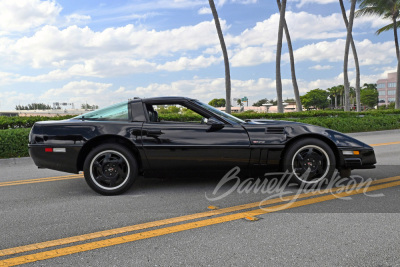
x,y
364,160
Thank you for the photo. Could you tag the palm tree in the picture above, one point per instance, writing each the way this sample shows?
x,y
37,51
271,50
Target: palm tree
x,y
369,86
334,92
352,94
278,56
225,54
356,62
388,9
346,56
299,106
340,89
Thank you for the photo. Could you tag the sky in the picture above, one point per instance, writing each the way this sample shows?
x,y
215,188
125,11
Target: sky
x,y
105,52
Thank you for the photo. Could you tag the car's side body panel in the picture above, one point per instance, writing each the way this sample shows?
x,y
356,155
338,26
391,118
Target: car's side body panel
x,y
174,148
73,135
191,148
275,134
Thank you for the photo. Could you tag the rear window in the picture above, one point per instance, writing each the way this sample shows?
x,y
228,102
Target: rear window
x,y
117,112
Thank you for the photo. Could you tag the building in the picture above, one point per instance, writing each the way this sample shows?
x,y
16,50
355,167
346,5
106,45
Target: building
x,y
387,89
288,107
43,113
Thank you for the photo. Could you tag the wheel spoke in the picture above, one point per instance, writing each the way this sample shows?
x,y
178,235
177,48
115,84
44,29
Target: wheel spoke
x,y
300,158
319,169
299,170
306,174
107,158
100,178
98,168
112,182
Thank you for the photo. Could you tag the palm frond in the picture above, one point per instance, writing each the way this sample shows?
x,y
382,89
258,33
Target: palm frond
x,y
387,28
369,11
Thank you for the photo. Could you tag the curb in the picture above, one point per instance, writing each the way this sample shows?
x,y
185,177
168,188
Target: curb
x,y
374,133
15,161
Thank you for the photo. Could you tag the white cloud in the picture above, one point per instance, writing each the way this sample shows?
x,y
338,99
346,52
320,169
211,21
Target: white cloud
x,y
319,67
368,53
207,89
322,2
77,18
77,88
185,63
104,67
129,49
220,3
251,56
79,92
50,45
22,15
204,11
9,99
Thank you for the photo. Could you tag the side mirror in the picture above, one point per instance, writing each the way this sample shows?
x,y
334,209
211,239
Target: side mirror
x,y
215,124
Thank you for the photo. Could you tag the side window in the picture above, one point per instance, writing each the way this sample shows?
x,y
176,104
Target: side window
x,y
173,113
117,112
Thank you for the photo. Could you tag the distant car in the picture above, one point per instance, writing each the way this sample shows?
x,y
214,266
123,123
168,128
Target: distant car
x,y
116,144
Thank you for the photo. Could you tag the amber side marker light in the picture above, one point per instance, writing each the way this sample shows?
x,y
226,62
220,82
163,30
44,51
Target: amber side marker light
x,y
351,153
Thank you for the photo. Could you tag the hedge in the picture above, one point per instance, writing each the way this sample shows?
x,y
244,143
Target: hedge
x,y
14,143
358,124
315,113
26,122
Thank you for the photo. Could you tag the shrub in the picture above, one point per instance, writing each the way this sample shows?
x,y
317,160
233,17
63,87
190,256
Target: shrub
x,y
14,143
26,122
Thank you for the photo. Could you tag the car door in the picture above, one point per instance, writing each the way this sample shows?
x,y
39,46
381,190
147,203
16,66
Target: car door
x,y
191,148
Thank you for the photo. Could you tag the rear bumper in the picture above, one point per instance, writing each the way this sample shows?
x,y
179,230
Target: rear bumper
x,y
365,160
60,161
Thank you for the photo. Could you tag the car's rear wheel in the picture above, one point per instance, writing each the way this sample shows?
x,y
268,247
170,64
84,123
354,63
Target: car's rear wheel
x,y
309,161
110,169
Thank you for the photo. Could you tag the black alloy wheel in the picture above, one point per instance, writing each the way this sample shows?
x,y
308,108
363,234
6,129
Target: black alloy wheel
x,y
310,161
110,169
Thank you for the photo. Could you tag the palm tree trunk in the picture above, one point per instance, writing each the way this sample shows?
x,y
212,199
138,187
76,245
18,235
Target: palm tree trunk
x,y
346,56
336,98
397,97
225,54
299,106
396,41
356,61
278,55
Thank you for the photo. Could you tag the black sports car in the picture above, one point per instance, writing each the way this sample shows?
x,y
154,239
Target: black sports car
x,y
138,137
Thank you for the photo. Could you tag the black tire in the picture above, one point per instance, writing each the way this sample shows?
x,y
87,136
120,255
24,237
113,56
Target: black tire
x,y
309,161
110,169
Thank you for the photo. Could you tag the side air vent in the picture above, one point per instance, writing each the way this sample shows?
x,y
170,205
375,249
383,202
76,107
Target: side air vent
x,y
275,130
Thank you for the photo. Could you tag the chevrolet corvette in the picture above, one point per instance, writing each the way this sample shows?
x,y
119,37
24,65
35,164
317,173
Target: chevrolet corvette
x,y
116,144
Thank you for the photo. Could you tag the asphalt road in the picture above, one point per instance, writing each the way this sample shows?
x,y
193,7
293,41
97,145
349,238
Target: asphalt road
x,y
60,221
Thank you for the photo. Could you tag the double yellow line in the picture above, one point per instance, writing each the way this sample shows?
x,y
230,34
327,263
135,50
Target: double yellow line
x,y
385,144
312,197
41,180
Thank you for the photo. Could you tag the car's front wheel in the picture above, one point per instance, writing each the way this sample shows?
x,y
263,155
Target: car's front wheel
x,y
110,169
309,161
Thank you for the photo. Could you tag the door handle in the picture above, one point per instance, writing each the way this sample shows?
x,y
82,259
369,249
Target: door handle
x,y
152,132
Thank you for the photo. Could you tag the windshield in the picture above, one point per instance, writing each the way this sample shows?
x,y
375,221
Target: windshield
x,y
220,113
117,112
